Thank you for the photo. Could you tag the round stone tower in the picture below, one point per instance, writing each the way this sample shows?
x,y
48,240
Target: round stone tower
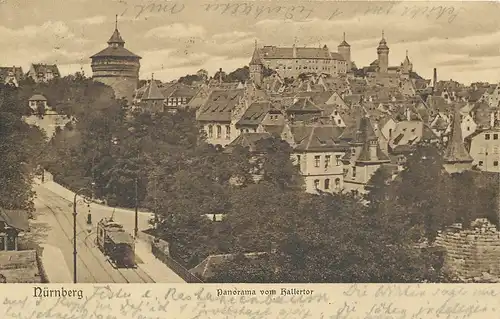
x,y
117,67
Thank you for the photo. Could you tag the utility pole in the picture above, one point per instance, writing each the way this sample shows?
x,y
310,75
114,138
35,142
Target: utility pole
x,y
136,228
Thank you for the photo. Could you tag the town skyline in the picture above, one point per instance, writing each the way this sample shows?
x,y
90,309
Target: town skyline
x,y
172,46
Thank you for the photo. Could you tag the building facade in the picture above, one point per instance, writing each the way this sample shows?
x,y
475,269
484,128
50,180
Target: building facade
x,y
485,149
292,61
43,72
117,67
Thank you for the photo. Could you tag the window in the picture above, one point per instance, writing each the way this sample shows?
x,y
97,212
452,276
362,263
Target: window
x,y
219,131
210,131
468,128
327,183
487,136
495,136
495,163
327,161
316,160
316,183
480,163
353,151
298,159
337,160
339,122
228,132
337,183
354,171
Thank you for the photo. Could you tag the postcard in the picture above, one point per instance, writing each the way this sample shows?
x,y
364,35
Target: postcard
x,y
286,159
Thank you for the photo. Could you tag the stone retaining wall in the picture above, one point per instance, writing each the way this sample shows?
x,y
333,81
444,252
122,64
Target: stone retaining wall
x,y
472,252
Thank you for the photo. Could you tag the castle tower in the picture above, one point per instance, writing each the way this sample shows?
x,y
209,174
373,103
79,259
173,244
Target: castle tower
x,y
153,99
256,67
344,50
456,157
383,55
117,67
406,66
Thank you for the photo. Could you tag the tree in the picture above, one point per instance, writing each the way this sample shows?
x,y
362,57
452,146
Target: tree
x,y
239,75
276,165
20,146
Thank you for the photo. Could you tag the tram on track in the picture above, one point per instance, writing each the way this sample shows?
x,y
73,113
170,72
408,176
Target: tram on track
x,y
116,243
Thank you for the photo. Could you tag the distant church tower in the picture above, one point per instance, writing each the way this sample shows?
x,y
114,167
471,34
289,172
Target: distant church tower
x,y
456,157
256,67
406,66
383,55
117,67
344,50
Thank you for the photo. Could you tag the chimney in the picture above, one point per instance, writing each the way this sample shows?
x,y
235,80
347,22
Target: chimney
x,y
434,79
373,150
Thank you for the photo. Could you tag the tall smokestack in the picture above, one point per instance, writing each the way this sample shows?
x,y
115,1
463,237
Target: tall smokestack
x,y
434,79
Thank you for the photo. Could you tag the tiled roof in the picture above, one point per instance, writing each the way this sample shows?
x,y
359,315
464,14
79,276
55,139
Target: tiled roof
x,y
272,52
317,137
455,150
220,105
152,92
44,68
119,52
410,133
17,219
304,105
255,113
256,60
116,38
38,97
249,140
274,130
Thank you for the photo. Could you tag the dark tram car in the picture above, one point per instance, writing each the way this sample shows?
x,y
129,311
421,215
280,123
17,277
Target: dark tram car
x,y
116,243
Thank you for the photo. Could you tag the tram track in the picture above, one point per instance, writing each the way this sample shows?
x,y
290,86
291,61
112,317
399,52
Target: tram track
x,y
124,274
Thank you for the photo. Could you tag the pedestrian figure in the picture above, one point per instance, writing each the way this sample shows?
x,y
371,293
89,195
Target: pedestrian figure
x,y
3,280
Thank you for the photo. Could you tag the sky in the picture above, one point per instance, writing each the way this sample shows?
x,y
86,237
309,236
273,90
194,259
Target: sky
x,y
460,39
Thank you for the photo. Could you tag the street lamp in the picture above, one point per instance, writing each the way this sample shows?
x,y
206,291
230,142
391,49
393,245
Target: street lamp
x,y
89,226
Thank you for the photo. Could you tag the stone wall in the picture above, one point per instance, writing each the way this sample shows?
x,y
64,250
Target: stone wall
x,y
473,252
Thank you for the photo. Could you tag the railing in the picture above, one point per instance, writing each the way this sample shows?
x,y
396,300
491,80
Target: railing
x,y
180,270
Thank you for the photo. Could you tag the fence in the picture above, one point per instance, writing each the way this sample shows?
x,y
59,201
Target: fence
x,y
160,251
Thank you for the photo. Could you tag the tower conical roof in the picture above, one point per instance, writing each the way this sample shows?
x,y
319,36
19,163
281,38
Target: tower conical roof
x,y
116,38
455,150
152,92
383,44
256,60
344,43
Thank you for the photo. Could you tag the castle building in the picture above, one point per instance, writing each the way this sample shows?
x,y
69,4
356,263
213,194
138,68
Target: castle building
x,y
456,157
291,62
117,67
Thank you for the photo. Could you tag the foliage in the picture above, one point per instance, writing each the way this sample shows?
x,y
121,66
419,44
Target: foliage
x,y
20,148
239,75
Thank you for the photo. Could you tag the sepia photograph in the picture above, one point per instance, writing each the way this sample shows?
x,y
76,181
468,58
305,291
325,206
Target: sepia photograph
x,y
249,142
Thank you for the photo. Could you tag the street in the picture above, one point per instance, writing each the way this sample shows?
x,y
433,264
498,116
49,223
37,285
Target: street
x,y
92,265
